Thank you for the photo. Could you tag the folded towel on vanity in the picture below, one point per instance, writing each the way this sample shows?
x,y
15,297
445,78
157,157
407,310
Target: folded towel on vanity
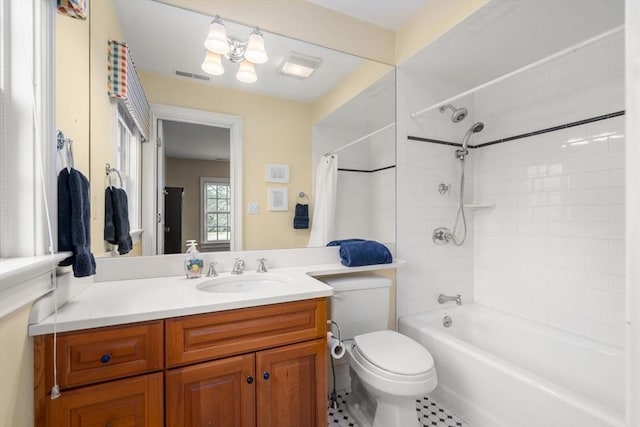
x,y
340,242
116,219
74,220
301,216
365,252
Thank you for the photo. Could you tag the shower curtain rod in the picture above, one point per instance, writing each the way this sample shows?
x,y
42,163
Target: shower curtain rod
x,y
556,55
362,138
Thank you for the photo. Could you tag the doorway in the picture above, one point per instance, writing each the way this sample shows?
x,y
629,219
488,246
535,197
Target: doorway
x,y
188,145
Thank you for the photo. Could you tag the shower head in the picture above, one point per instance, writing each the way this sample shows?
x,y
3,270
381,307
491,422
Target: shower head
x,y
459,114
475,128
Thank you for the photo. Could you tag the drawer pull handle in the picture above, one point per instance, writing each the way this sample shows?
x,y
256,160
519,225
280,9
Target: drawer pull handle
x,y
266,375
249,380
105,358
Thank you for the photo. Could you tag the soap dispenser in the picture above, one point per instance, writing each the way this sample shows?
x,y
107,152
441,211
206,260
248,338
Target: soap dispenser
x,y
194,264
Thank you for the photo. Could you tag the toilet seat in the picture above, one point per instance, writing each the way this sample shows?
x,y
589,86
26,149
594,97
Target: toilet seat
x,y
393,356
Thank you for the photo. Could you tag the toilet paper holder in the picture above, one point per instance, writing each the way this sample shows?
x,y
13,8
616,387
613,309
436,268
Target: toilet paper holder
x,y
333,322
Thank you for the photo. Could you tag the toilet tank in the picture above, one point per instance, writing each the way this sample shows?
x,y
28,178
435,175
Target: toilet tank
x,y
360,304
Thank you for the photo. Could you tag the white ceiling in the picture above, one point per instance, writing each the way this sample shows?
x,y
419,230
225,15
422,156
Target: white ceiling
x,y
390,14
164,38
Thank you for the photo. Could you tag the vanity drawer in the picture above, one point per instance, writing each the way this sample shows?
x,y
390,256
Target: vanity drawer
x,y
94,355
215,335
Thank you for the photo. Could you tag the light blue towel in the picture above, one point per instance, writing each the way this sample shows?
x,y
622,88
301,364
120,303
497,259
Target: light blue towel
x,y
366,252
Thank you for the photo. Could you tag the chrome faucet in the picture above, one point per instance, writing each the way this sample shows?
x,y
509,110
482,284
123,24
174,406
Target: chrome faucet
x,y
262,267
445,298
238,266
211,272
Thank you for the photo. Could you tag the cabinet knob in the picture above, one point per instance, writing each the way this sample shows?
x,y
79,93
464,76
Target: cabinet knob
x,y
249,380
105,358
266,375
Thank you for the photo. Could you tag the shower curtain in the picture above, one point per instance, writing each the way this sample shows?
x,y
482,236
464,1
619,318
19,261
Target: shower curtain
x,y
324,201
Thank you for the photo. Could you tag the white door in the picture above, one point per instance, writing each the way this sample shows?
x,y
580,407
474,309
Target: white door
x,y
160,156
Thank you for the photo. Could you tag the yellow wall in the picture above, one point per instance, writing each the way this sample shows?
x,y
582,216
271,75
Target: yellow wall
x,y
433,20
186,173
365,74
16,370
72,86
104,27
305,21
274,131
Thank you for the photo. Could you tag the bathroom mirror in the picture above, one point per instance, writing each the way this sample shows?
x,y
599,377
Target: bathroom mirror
x,y
285,121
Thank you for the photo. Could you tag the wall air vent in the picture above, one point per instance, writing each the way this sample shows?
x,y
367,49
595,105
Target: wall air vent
x,y
192,75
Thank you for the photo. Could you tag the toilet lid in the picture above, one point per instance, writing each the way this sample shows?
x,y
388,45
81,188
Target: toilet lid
x,y
394,352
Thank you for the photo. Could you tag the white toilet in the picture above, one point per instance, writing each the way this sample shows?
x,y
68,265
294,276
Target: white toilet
x,y
389,371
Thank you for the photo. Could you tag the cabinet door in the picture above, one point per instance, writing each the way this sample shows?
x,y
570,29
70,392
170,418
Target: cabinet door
x,y
292,385
132,402
219,393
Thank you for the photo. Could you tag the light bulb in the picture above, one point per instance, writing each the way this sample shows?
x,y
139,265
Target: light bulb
x,y
255,48
217,39
246,72
212,64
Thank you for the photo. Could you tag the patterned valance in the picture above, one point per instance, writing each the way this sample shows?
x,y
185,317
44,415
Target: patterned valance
x,y
124,84
74,8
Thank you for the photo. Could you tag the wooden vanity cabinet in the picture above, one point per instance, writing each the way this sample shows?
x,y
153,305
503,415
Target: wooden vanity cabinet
x,y
252,367
108,376
261,366
291,389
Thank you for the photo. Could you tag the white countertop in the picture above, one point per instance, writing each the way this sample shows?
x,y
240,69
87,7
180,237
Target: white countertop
x,y
126,301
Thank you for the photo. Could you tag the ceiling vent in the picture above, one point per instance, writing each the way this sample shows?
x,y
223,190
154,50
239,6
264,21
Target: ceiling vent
x,y
192,75
299,66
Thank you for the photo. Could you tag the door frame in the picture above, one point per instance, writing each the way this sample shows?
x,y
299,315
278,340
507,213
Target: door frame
x,y
152,200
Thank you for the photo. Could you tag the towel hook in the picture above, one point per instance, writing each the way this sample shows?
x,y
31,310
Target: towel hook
x,y
109,170
61,142
302,195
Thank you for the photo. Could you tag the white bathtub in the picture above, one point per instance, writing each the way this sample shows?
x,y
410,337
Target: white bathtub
x,y
498,370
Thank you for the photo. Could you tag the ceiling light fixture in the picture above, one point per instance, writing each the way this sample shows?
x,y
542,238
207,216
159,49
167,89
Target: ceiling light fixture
x,y
300,66
246,53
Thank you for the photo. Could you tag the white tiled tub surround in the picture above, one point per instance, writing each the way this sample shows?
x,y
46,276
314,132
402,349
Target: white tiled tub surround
x,y
365,198
422,166
553,248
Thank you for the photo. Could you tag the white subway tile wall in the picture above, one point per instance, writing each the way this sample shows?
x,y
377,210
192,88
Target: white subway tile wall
x,y
552,249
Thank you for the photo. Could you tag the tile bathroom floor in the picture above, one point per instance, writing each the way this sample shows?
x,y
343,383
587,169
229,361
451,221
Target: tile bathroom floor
x,y
429,413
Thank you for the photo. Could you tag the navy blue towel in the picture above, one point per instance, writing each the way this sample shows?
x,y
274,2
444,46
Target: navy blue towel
x,y
340,242
301,216
367,252
74,221
116,219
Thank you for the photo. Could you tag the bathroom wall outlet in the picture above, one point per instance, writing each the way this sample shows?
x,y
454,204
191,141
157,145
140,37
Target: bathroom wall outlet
x,y
253,208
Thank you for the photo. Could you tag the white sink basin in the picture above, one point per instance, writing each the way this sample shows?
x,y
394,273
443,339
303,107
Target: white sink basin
x,y
246,283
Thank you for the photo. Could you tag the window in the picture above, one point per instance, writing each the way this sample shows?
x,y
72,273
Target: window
x,y
216,215
128,160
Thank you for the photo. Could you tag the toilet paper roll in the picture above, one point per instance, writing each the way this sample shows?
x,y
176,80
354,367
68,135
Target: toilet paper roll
x,y
336,348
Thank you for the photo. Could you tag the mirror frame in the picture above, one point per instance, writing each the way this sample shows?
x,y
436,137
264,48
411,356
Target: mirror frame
x,y
153,189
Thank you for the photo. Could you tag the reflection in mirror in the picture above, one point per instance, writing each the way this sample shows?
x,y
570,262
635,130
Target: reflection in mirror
x,y
279,120
197,169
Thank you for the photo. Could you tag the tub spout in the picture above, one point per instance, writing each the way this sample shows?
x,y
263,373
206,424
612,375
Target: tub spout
x,y
445,298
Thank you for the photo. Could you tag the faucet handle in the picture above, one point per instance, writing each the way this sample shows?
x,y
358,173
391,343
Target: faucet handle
x,y
211,272
262,268
238,266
